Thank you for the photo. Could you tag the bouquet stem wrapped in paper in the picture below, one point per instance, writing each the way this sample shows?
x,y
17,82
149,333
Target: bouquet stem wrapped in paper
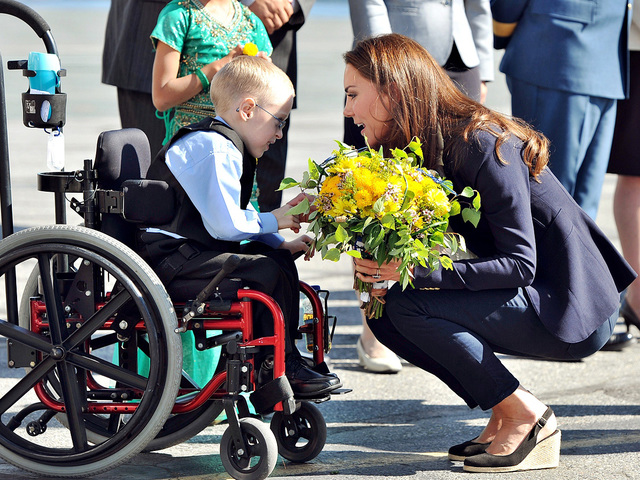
x,y
369,206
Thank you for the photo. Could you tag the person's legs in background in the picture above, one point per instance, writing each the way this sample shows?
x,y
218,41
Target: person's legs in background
x,y
270,172
625,162
626,210
137,111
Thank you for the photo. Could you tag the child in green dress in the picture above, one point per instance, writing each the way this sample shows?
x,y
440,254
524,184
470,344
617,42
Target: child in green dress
x,y
193,40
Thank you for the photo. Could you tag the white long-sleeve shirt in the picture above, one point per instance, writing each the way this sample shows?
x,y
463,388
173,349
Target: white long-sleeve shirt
x,y
209,166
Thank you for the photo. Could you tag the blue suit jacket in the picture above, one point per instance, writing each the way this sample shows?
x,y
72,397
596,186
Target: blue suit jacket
x,y
578,46
532,235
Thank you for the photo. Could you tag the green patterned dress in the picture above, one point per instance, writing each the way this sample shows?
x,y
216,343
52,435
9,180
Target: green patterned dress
x,y
187,27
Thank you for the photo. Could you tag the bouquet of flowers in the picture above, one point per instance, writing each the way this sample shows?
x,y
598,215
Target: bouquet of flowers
x,y
369,206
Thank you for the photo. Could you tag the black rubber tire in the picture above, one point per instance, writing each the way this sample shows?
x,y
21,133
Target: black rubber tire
x,y
262,446
302,435
139,293
177,428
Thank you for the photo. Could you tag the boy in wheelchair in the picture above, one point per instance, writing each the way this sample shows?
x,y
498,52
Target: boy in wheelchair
x,y
210,167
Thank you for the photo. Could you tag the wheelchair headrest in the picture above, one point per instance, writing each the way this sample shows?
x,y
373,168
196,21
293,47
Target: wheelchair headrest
x,y
121,155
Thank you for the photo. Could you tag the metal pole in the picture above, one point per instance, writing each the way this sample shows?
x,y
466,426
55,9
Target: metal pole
x,y
6,204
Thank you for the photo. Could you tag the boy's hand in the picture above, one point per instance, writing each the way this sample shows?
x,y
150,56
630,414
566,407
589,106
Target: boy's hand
x,y
285,220
300,244
303,217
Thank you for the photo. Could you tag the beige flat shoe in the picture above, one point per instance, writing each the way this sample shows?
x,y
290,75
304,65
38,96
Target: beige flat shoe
x,y
388,364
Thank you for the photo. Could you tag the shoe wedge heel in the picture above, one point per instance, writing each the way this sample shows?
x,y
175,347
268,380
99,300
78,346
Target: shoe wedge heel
x,y
545,454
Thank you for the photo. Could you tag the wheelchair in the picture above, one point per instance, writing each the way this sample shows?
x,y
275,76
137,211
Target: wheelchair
x,y
93,339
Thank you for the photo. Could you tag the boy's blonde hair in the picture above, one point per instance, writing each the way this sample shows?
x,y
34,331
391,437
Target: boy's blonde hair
x,y
247,76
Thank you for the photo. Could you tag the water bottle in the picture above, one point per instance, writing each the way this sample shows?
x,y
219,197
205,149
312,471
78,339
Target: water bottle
x,y
307,317
46,67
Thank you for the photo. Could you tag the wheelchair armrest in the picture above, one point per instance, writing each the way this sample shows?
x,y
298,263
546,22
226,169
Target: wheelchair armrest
x,y
151,202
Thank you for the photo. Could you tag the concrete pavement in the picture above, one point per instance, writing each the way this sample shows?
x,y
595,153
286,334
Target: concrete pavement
x,y
390,426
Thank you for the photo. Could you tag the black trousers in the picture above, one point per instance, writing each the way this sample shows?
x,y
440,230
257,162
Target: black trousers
x,y
137,111
262,268
270,173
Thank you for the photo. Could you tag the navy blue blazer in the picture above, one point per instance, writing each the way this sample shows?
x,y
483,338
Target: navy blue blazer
x,y
532,235
578,46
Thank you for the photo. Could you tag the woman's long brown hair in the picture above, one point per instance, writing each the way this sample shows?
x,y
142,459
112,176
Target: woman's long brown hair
x,y
423,100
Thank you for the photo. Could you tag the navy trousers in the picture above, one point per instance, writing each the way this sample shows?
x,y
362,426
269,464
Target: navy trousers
x,y
456,334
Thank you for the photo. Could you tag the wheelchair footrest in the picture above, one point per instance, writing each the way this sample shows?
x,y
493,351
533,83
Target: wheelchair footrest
x,y
269,394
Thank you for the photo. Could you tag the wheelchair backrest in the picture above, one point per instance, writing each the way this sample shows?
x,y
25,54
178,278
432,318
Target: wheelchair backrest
x,y
121,155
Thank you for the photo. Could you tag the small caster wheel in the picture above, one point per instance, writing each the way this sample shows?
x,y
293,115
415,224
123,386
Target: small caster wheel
x,y
262,452
302,435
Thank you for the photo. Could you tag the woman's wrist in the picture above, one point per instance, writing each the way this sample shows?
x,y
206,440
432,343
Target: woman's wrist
x,y
204,80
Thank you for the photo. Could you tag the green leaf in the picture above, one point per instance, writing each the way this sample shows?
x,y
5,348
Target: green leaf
x,y
332,254
354,253
397,153
467,192
476,201
470,215
302,207
388,221
314,173
288,183
379,205
455,208
446,262
341,234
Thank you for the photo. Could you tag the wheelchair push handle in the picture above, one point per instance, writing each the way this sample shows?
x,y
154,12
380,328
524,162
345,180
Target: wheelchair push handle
x,y
31,18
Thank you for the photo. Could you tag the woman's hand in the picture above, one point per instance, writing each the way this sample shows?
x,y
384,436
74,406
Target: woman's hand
x,y
369,272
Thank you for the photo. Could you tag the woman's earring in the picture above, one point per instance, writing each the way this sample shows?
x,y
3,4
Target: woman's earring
x,y
238,109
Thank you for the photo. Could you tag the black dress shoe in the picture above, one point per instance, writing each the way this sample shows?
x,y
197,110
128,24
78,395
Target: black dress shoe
x,y
459,452
630,317
619,341
530,454
307,383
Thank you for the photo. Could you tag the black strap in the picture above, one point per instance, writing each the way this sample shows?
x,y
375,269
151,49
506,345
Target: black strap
x,y
171,265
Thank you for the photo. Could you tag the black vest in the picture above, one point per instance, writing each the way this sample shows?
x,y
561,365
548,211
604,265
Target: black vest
x,y
187,221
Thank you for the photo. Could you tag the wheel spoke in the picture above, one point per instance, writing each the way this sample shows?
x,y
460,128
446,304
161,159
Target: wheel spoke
x,y
24,336
26,383
53,302
74,401
109,370
97,320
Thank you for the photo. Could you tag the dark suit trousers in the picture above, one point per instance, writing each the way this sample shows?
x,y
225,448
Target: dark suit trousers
x,y
455,335
270,172
137,111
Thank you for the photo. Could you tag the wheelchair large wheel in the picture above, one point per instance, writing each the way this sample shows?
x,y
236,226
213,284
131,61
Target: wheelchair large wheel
x,y
262,449
177,428
302,435
97,295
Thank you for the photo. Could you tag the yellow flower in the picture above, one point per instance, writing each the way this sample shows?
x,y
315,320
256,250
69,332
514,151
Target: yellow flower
x,y
363,198
438,202
250,49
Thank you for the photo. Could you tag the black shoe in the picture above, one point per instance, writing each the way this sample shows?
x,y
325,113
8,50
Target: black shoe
x,y
618,342
630,317
306,382
530,454
459,452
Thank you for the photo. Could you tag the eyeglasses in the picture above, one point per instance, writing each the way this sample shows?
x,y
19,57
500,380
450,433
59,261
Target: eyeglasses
x,y
281,123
